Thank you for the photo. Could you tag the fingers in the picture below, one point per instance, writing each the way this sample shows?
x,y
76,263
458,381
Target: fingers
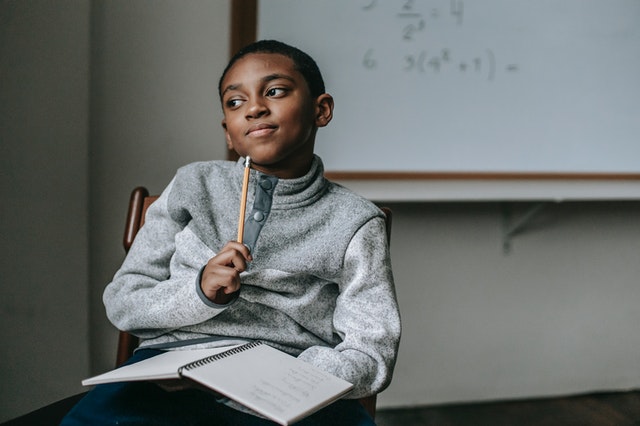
x,y
238,248
221,275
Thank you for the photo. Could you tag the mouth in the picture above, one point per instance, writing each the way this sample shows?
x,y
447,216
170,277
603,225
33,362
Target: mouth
x,y
261,129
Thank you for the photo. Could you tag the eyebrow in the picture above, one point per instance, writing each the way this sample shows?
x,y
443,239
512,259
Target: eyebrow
x,y
265,79
272,77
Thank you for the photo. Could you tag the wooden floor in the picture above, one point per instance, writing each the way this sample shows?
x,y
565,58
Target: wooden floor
x,y
605,409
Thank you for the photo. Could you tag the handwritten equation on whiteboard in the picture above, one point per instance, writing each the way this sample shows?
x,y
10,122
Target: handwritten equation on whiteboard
x,y
419,53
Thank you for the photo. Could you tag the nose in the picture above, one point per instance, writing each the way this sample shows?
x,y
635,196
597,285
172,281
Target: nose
x,y
257,108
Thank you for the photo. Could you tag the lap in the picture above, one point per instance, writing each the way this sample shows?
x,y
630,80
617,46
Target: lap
x,y
137,403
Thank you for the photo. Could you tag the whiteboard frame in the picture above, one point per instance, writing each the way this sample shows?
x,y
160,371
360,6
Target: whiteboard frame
x,y
409,186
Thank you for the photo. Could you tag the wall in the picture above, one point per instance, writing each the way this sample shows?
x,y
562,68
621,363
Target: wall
x,y
44,92
154,108
556,315
67,173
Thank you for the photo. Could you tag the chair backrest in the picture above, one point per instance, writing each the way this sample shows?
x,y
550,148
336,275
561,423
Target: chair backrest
x,y
138,204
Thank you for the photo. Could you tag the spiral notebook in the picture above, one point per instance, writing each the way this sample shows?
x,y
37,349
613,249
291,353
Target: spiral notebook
x,y
264,379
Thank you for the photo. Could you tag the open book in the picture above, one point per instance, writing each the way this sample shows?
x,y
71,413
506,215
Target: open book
x,y
264,379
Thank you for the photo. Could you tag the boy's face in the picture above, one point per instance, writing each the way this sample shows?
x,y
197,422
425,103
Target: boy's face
x,y
270,116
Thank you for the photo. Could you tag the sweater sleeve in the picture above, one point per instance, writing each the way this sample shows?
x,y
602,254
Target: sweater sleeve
x,y
156,289
366,317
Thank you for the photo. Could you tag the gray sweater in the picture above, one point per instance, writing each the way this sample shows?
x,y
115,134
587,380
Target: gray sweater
x,y
320,286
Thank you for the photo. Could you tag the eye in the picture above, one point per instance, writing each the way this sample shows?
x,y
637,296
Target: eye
x,y
233,103
276,92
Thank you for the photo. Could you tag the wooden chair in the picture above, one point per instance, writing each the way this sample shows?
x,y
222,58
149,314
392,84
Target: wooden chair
x,y
138,204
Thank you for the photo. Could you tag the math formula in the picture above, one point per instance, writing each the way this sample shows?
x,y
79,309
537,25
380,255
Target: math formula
x,y
420,34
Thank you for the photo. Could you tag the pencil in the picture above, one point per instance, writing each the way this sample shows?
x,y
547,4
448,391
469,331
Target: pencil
x,y
243,199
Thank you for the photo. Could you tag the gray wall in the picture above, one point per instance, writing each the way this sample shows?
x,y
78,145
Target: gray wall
x,y
154,108
556,315
44,215
97,97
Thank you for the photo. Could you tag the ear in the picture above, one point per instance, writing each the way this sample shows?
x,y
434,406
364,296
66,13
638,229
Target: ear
x,y
324,109
226,134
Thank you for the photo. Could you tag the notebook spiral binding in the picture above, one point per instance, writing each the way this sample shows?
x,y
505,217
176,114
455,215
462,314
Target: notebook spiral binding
x,y
221,355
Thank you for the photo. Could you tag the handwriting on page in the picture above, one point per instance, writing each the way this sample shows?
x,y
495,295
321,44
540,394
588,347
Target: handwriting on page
x,y
420,55
289,390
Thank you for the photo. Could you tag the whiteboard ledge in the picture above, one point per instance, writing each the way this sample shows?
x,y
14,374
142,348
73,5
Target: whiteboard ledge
x,y
497,188
511,176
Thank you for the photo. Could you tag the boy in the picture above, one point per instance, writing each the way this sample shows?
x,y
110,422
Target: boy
x,y
312,277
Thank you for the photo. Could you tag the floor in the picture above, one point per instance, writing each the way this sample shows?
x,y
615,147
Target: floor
x,y
604,409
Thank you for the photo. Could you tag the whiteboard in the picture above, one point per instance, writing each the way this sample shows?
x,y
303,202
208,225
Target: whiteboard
x,y
482,86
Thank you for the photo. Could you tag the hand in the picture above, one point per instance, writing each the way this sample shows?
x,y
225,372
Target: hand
x,y
221,276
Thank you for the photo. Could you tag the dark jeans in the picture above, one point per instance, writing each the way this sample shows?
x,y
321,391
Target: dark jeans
x,y
143,403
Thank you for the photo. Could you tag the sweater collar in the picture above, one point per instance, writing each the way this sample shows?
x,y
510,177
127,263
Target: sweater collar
x,y
300,191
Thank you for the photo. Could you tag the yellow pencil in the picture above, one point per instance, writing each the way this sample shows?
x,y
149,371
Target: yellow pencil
x,y
243,199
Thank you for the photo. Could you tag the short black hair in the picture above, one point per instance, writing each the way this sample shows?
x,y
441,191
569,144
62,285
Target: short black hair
x,y
303,63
